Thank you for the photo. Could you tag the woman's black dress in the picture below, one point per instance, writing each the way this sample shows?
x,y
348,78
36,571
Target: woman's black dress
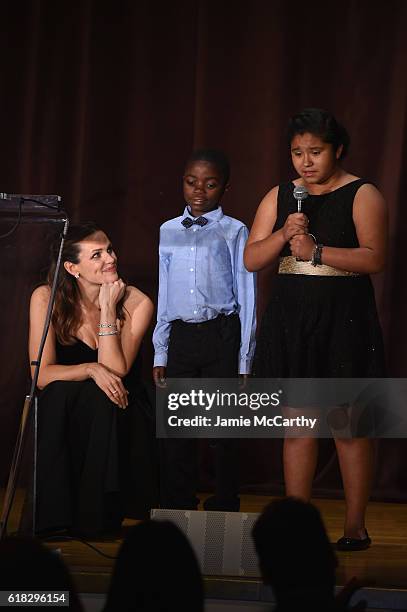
x,y
321,326
96,461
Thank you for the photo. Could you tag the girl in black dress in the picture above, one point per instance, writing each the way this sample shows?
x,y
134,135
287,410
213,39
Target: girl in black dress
x,y
322,319
89,382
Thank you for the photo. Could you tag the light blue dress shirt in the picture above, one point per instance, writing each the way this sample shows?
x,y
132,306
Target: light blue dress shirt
x,y
201,276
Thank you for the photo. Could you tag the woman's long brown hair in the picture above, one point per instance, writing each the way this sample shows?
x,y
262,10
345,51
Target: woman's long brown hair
x,y
67,313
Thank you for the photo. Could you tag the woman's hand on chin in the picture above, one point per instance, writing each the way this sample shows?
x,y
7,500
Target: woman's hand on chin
x,y
110,383
111,293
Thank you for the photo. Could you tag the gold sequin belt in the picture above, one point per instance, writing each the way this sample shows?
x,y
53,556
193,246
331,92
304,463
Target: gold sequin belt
x,y
290,265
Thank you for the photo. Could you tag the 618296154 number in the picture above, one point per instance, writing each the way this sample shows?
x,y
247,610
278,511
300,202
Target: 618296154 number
x,y
34,598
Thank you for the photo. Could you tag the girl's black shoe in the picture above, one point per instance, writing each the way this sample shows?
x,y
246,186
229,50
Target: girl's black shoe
x,y
350,544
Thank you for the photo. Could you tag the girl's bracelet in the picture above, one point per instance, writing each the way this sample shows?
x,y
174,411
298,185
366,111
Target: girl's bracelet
x,y
317,255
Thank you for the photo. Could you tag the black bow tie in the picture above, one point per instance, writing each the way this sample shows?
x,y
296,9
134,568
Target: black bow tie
x,y
188,222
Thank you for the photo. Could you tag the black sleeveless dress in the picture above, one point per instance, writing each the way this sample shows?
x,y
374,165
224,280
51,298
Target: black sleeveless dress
x,y
96,462
321,326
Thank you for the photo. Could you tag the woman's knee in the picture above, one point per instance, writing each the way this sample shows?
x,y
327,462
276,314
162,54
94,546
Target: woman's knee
x,y
95,401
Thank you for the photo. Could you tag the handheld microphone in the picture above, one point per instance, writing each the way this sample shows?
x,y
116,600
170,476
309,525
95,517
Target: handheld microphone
x,y
300,193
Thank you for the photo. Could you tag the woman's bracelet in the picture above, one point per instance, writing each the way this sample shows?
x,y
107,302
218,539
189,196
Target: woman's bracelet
x,y
102,325
108,333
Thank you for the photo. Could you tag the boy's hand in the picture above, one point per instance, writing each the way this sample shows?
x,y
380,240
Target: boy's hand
x,y
243,380
159,377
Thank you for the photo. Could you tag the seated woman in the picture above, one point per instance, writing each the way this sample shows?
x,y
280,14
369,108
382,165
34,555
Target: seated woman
x,y
90,387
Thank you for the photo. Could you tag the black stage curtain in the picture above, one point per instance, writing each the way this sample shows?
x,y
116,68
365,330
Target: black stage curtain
x,y
102,101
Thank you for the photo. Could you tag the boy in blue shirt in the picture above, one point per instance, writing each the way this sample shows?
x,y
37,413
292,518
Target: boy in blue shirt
x,y
206,319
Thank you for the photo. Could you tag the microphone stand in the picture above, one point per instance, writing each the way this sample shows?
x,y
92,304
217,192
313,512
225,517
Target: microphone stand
x,y
29,402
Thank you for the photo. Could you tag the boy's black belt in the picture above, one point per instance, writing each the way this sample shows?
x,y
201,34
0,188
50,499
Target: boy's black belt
x,y
204,324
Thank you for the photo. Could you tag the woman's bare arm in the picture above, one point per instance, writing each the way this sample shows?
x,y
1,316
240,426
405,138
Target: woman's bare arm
x,y
49,370
118,352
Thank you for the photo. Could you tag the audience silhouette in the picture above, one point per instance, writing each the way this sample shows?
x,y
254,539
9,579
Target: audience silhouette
x,y
297,559
156,570
27,565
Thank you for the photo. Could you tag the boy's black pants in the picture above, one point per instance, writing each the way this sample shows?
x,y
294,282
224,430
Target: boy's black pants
x,y
200,350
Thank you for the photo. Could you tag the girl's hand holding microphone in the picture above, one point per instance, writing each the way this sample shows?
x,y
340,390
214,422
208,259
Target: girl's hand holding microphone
x,y
296,223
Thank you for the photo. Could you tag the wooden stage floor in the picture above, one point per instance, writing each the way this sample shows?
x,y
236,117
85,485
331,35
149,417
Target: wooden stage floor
x,y
383,566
